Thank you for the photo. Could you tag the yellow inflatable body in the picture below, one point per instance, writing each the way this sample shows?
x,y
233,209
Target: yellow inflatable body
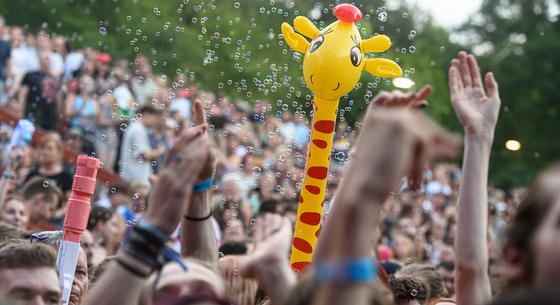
x,y
332,66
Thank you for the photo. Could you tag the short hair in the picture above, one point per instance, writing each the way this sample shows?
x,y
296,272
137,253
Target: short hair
x,y
268,206
98,214
9,233
231,248
97,271
54,137
149,109
407,288
120,188
429,274
447,265
25,255
41,185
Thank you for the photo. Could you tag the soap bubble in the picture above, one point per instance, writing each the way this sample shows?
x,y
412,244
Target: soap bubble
x,y
382,16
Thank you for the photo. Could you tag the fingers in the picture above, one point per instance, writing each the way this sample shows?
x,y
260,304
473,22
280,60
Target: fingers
x,y
465,70
491,85
187,136
424,92
454,81
474,70
200,116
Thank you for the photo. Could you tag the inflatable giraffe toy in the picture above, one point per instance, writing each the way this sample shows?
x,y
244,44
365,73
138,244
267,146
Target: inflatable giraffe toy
x,y
332,66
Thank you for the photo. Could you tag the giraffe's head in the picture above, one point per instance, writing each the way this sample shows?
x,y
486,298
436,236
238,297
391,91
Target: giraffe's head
x,y
335,57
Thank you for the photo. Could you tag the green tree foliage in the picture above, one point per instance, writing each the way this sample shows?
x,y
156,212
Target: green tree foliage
x,y
235,48
519,40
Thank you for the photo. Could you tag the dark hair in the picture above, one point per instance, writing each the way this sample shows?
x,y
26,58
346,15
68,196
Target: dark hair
x,y
231,248
98,215
427,273
25,255
149,109
97,271
406,288
268,206
538,202
119,188
447,265
41,185
9,233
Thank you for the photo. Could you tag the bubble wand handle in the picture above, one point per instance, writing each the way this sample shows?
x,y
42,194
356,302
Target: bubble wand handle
x,y
75,221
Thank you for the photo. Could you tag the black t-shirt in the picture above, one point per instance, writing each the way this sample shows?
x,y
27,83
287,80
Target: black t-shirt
x,y
40,106
5,53
62,180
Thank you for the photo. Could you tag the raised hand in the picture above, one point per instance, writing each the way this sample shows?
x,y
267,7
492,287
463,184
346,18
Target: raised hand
x,y
476,107
173,188
395,143
200,121
398,99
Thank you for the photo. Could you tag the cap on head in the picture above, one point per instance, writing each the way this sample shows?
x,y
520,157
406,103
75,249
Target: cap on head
x,y
347,13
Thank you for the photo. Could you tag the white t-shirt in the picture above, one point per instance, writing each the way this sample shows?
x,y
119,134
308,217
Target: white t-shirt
x,y
122,96
133,167
182,106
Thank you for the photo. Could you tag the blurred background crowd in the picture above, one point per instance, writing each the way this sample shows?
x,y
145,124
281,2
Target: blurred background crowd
x,y
121,112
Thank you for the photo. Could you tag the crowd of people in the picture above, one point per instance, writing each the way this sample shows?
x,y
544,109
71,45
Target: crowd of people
x,y
208,193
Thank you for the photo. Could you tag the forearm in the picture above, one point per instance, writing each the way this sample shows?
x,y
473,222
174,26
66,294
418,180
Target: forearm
x,y
473,285
152,154
117,280
198,239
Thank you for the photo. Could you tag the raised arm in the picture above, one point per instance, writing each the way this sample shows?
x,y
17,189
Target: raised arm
x,y
123,281
393,100
477,110
392,144
198,238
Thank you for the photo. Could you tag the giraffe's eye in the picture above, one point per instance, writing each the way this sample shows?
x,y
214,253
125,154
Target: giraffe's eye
x,y
356,56
316,43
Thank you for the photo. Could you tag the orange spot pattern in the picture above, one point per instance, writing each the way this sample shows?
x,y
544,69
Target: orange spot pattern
x,y
313,189
310,218
302,245
318,172
324,126
320,143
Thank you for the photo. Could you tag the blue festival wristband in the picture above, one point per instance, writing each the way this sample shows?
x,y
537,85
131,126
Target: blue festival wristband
x,y
204,185
360,270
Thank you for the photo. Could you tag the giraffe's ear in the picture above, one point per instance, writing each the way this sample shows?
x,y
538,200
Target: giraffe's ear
x,y
383,68
306,27
377,44
297,42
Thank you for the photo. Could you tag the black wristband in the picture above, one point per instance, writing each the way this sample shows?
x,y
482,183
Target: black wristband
x,y
131,269
187,217
145,248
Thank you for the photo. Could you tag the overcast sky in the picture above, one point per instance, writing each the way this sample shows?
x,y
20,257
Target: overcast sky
x,y
449,12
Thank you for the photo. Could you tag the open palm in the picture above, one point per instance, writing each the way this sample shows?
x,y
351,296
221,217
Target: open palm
x,y
476,108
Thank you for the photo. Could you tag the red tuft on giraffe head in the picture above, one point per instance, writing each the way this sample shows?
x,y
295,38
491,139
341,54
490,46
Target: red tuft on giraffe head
x,y
347,13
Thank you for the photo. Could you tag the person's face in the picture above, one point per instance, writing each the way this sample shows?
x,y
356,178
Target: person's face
x,y
87,245
546,248
139,199
87,85
234,231
118,199
15,213
401,248
29,286
114,228
41,207
49,153
80,283
44,62
448,280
